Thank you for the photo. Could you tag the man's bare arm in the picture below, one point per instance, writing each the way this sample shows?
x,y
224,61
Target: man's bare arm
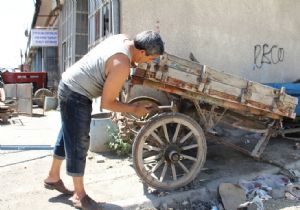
x,y
118,70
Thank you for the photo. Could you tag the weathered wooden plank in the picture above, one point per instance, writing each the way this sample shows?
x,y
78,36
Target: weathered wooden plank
x,y
182,76
262,99
262,89
193,67
189,78
225,78
224,88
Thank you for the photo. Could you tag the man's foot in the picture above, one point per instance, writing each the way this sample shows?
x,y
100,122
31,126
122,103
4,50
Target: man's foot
x,y
59,186
86,203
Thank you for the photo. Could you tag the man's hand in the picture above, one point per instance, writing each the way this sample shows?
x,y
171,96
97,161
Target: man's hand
x,y
143,110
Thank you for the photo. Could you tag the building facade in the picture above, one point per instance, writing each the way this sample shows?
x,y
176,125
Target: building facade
x,y
258,40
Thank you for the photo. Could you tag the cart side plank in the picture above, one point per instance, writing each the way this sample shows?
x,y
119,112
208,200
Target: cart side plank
x,y
212,100
225,78
180,75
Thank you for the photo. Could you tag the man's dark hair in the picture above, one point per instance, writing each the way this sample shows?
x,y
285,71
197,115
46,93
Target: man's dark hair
x,y
150,41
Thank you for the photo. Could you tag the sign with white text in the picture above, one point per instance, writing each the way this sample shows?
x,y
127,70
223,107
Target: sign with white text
x,y
44,38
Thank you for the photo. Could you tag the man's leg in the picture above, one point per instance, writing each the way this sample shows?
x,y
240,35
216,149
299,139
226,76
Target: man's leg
x,y
53,180
54,173
76,128
80,198
76,112
58,157
79,191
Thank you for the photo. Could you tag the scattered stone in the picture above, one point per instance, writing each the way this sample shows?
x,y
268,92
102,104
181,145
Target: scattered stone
x,y
185,203
100,159
297,146
232,195
289,196
293,192
152,190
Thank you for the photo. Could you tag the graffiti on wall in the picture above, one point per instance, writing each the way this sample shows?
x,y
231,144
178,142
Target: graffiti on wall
x,y
265,54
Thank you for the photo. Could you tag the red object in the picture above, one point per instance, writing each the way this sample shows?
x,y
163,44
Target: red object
x,y
38,79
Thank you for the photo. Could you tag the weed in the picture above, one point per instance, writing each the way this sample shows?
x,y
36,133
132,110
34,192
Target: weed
x,y
117,143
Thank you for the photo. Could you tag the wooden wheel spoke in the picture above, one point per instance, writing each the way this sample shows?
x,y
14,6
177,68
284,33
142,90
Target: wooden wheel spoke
x,y
189,157
192,146
183,167
151,148
158,164
176,133
186,137
166,133
173,172
163,173
157,138
151,158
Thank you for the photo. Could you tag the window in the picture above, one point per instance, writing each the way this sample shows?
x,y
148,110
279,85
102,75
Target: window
x,y
101,20
97,25
64,57
74,31
67,33
106,20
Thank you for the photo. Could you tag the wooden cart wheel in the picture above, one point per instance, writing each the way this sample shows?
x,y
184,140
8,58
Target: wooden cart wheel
x,y
40,95
169,151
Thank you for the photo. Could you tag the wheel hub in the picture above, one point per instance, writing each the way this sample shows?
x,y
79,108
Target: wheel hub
x,y
172,153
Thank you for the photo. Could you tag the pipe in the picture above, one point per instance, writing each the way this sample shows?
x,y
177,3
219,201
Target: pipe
x,y
26,147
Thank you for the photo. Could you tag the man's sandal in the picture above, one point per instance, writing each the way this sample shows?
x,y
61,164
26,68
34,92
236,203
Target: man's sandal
x,y
86,203
59,186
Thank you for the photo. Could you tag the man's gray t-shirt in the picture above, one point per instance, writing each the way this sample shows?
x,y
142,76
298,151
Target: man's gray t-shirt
x,y
87,76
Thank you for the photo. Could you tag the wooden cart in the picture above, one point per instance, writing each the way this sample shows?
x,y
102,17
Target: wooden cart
x,y
170,149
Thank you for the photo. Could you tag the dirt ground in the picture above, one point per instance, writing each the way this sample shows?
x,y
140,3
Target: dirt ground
x,y
112,179
282,204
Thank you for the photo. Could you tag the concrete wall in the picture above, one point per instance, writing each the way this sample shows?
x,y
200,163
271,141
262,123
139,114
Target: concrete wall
x,y
258,39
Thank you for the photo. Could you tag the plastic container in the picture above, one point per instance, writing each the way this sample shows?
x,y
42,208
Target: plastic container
x,y
99,131
50,103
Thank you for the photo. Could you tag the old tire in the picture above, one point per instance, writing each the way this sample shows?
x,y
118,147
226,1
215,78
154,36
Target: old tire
x,y
169,151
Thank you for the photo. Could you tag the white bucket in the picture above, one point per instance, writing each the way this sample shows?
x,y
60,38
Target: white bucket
x,y
99,131
50,103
